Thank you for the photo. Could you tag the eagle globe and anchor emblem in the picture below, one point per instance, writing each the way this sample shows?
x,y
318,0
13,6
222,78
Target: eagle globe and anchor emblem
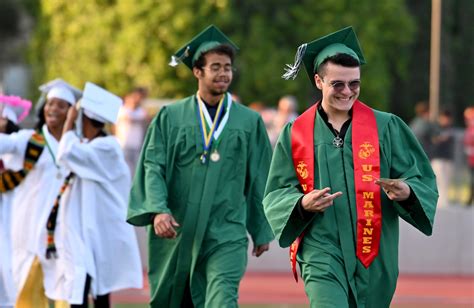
x,y
366,149
303,173
302,170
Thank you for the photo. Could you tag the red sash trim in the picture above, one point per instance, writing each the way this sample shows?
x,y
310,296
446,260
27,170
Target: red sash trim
x,y
302,149
366,158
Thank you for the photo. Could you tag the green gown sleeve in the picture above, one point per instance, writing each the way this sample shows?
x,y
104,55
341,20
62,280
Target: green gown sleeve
x,y
260,154
282,193
408,160
149,192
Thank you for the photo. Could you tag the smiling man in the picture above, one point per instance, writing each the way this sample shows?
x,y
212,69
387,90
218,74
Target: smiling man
x,y
341,175
199,185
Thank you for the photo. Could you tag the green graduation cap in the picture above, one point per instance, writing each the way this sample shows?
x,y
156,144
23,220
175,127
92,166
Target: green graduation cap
x,y
314,53
209,38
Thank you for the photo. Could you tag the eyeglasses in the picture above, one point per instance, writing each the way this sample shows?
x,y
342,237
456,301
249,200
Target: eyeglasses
x,y
216,68
339,85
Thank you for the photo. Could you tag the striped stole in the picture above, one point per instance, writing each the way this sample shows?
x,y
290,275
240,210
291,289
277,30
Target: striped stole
x,y
10,179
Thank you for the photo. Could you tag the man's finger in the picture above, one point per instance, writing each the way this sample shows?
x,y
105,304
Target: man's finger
x,y
330,197
174,223
320,193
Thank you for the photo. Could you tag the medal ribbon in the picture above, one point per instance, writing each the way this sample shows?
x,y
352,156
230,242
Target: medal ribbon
x,y
49,147
366,158
208,132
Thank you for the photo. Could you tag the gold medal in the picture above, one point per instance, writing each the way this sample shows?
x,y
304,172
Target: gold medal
x,y
215,156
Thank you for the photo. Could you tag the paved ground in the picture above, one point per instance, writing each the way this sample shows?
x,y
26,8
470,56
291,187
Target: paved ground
x,y
279,288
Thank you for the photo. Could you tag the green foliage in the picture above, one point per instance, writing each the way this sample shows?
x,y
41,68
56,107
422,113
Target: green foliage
x,y
119,44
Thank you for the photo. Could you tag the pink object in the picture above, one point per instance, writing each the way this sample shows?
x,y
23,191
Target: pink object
x,y
17,102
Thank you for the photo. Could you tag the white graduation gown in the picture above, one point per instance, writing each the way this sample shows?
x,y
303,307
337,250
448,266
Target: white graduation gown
x,y
101,243
7,287
30,207
8,291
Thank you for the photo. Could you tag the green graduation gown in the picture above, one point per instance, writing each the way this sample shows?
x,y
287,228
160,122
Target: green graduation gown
x,y
327,255
215,203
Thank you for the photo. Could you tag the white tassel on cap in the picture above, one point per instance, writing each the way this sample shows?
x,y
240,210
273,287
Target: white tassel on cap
x,y
291,70
175,60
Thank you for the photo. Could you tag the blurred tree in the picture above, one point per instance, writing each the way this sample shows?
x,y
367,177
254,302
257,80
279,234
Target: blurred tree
x,y
457,50
457,63
122,43
269,39
9,18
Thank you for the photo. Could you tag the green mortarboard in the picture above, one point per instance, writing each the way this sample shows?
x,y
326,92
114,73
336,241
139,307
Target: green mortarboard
x,y
206,40
314,53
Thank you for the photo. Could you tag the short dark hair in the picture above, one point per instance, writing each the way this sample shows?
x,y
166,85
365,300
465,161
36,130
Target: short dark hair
x,y
140,90
223,49
446,113
421,107
339,59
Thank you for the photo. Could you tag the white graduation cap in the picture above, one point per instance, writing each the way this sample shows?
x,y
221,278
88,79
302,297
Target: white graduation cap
x,y
58,88
99,104
14,108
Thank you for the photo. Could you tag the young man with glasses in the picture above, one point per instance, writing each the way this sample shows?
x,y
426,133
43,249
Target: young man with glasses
x,y
341,176
199,185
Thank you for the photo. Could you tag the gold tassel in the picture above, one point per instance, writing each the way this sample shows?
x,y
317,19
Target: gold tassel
x,y
32,295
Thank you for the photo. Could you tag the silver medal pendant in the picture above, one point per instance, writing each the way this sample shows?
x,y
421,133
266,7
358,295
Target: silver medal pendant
x,y
337,142
215,156
59,175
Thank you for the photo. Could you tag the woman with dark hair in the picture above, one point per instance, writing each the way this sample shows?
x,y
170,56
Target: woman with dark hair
x,y
37,180
95,204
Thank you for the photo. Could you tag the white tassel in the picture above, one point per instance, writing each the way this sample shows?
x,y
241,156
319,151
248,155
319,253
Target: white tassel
x,y
291,70
175,60
40,102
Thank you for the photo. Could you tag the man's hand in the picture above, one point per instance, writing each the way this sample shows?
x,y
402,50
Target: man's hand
x,y
164,225
260,249
319,200
395,189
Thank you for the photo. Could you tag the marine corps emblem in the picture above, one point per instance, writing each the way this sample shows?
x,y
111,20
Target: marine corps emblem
x,y
366,149
301,169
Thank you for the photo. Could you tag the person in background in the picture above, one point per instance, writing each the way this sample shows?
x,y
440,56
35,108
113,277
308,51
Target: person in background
x,y
101,247
13,110
37,179
469,149
422,127
267,114
131,126
199,185
286,112
443,142
341,176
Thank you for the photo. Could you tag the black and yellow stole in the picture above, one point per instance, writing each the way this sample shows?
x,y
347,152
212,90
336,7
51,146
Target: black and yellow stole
x,y
10,179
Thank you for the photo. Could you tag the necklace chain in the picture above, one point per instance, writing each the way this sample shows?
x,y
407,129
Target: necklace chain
x,y
337,141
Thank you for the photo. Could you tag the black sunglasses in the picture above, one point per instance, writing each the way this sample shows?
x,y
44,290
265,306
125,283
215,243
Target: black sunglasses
x,y
339,85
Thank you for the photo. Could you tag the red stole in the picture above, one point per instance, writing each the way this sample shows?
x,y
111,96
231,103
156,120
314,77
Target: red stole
x,y
366,158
